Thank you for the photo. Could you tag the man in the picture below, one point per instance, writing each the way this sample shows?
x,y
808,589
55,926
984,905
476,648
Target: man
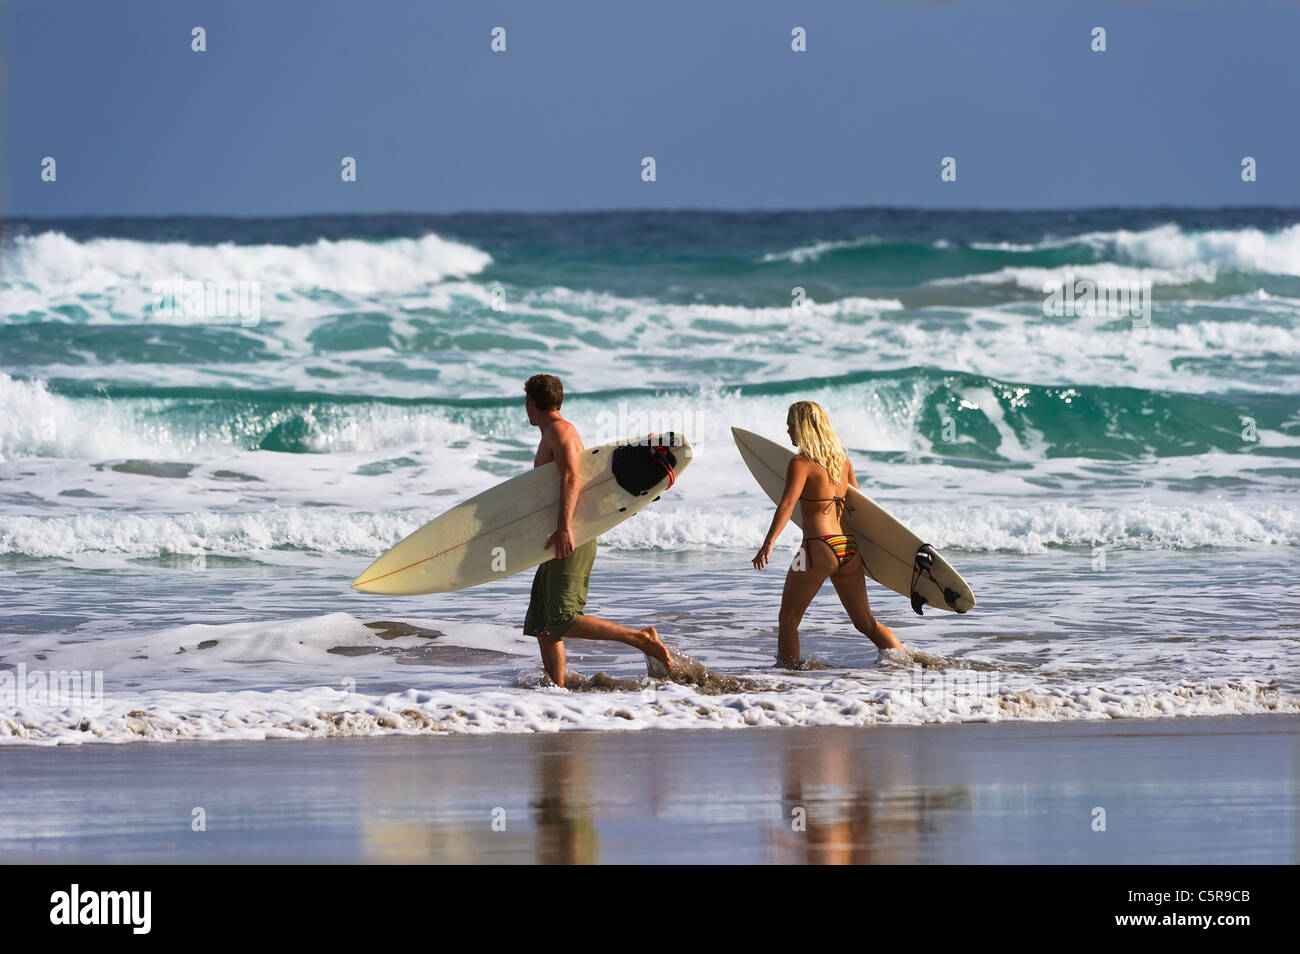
x,y
560,586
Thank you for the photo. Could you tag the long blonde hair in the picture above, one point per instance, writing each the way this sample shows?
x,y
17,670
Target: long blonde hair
x,y
817,439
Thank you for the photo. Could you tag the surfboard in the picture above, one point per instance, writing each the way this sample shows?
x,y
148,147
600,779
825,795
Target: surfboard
x,y
504,530
893,555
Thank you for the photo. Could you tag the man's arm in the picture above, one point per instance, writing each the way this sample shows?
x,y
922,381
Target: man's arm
x,y
564,446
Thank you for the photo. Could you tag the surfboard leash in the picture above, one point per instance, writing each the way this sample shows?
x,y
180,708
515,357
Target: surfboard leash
x,y
661,455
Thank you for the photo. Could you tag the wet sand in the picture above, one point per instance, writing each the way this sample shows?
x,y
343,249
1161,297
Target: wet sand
x,y
1178,790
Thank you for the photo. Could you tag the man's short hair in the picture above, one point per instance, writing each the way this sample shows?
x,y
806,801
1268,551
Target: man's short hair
x,y
546,391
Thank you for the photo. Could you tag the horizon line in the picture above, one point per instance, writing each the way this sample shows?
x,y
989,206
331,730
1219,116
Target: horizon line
x,y
683,210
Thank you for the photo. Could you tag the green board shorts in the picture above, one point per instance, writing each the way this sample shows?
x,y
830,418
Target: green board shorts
x,y
559,593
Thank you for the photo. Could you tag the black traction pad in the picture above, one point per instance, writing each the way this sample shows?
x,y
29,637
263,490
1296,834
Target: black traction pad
x,y
638,467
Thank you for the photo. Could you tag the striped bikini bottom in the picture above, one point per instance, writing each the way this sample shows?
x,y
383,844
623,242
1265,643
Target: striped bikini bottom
x,y
844,546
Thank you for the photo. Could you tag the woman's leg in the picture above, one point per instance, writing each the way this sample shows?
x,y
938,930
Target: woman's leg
x,y
812,564
851,584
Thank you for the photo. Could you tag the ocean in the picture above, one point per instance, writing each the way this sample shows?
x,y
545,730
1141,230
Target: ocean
x,y
192,475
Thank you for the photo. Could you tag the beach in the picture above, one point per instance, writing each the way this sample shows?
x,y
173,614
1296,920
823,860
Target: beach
x,y
1174,791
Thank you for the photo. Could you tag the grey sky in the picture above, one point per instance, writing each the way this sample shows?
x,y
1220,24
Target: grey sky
x,y
258,124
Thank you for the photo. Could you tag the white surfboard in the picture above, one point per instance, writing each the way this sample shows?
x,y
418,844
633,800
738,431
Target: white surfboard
x,y
504,530
887,548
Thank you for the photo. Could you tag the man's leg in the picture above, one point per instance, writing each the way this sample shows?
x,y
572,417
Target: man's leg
x,y
567,597
551,647
593,627
553,658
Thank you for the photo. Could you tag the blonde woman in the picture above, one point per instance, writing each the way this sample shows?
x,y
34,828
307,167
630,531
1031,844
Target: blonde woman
x,y
817,480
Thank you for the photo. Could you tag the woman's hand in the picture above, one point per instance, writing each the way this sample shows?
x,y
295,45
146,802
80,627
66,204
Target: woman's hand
x,y
760,560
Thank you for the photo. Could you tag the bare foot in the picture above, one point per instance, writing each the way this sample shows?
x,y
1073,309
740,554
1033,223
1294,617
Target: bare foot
x,y
799,665
653,647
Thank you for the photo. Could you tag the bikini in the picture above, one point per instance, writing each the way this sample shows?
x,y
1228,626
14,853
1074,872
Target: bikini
x,y
844,546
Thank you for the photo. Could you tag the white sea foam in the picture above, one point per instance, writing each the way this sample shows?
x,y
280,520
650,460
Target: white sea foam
x,y
1168,246
37,423
1032,528
839,700
1035,277
58,266
1171,247
243,652
985,341
1164,246
562,303
815,250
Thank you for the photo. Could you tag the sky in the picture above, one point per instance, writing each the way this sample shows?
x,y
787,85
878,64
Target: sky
x,y
139,124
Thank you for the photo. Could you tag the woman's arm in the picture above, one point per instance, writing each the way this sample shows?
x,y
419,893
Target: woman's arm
x,y
853,478
795,476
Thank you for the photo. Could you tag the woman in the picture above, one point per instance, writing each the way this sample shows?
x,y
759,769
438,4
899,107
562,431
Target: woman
x,y
818,479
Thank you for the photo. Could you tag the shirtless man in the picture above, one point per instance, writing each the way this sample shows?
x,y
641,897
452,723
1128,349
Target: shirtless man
x,y
560,586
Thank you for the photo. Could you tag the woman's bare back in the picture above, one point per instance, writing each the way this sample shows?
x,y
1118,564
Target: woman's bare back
x,y
822,502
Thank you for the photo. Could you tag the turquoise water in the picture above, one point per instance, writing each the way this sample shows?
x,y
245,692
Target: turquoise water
x,y
255,458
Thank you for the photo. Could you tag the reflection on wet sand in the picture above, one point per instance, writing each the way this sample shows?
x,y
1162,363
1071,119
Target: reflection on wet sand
x,y
566,830
484,819
797,796
834,812
1177,791
550,799
436,808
